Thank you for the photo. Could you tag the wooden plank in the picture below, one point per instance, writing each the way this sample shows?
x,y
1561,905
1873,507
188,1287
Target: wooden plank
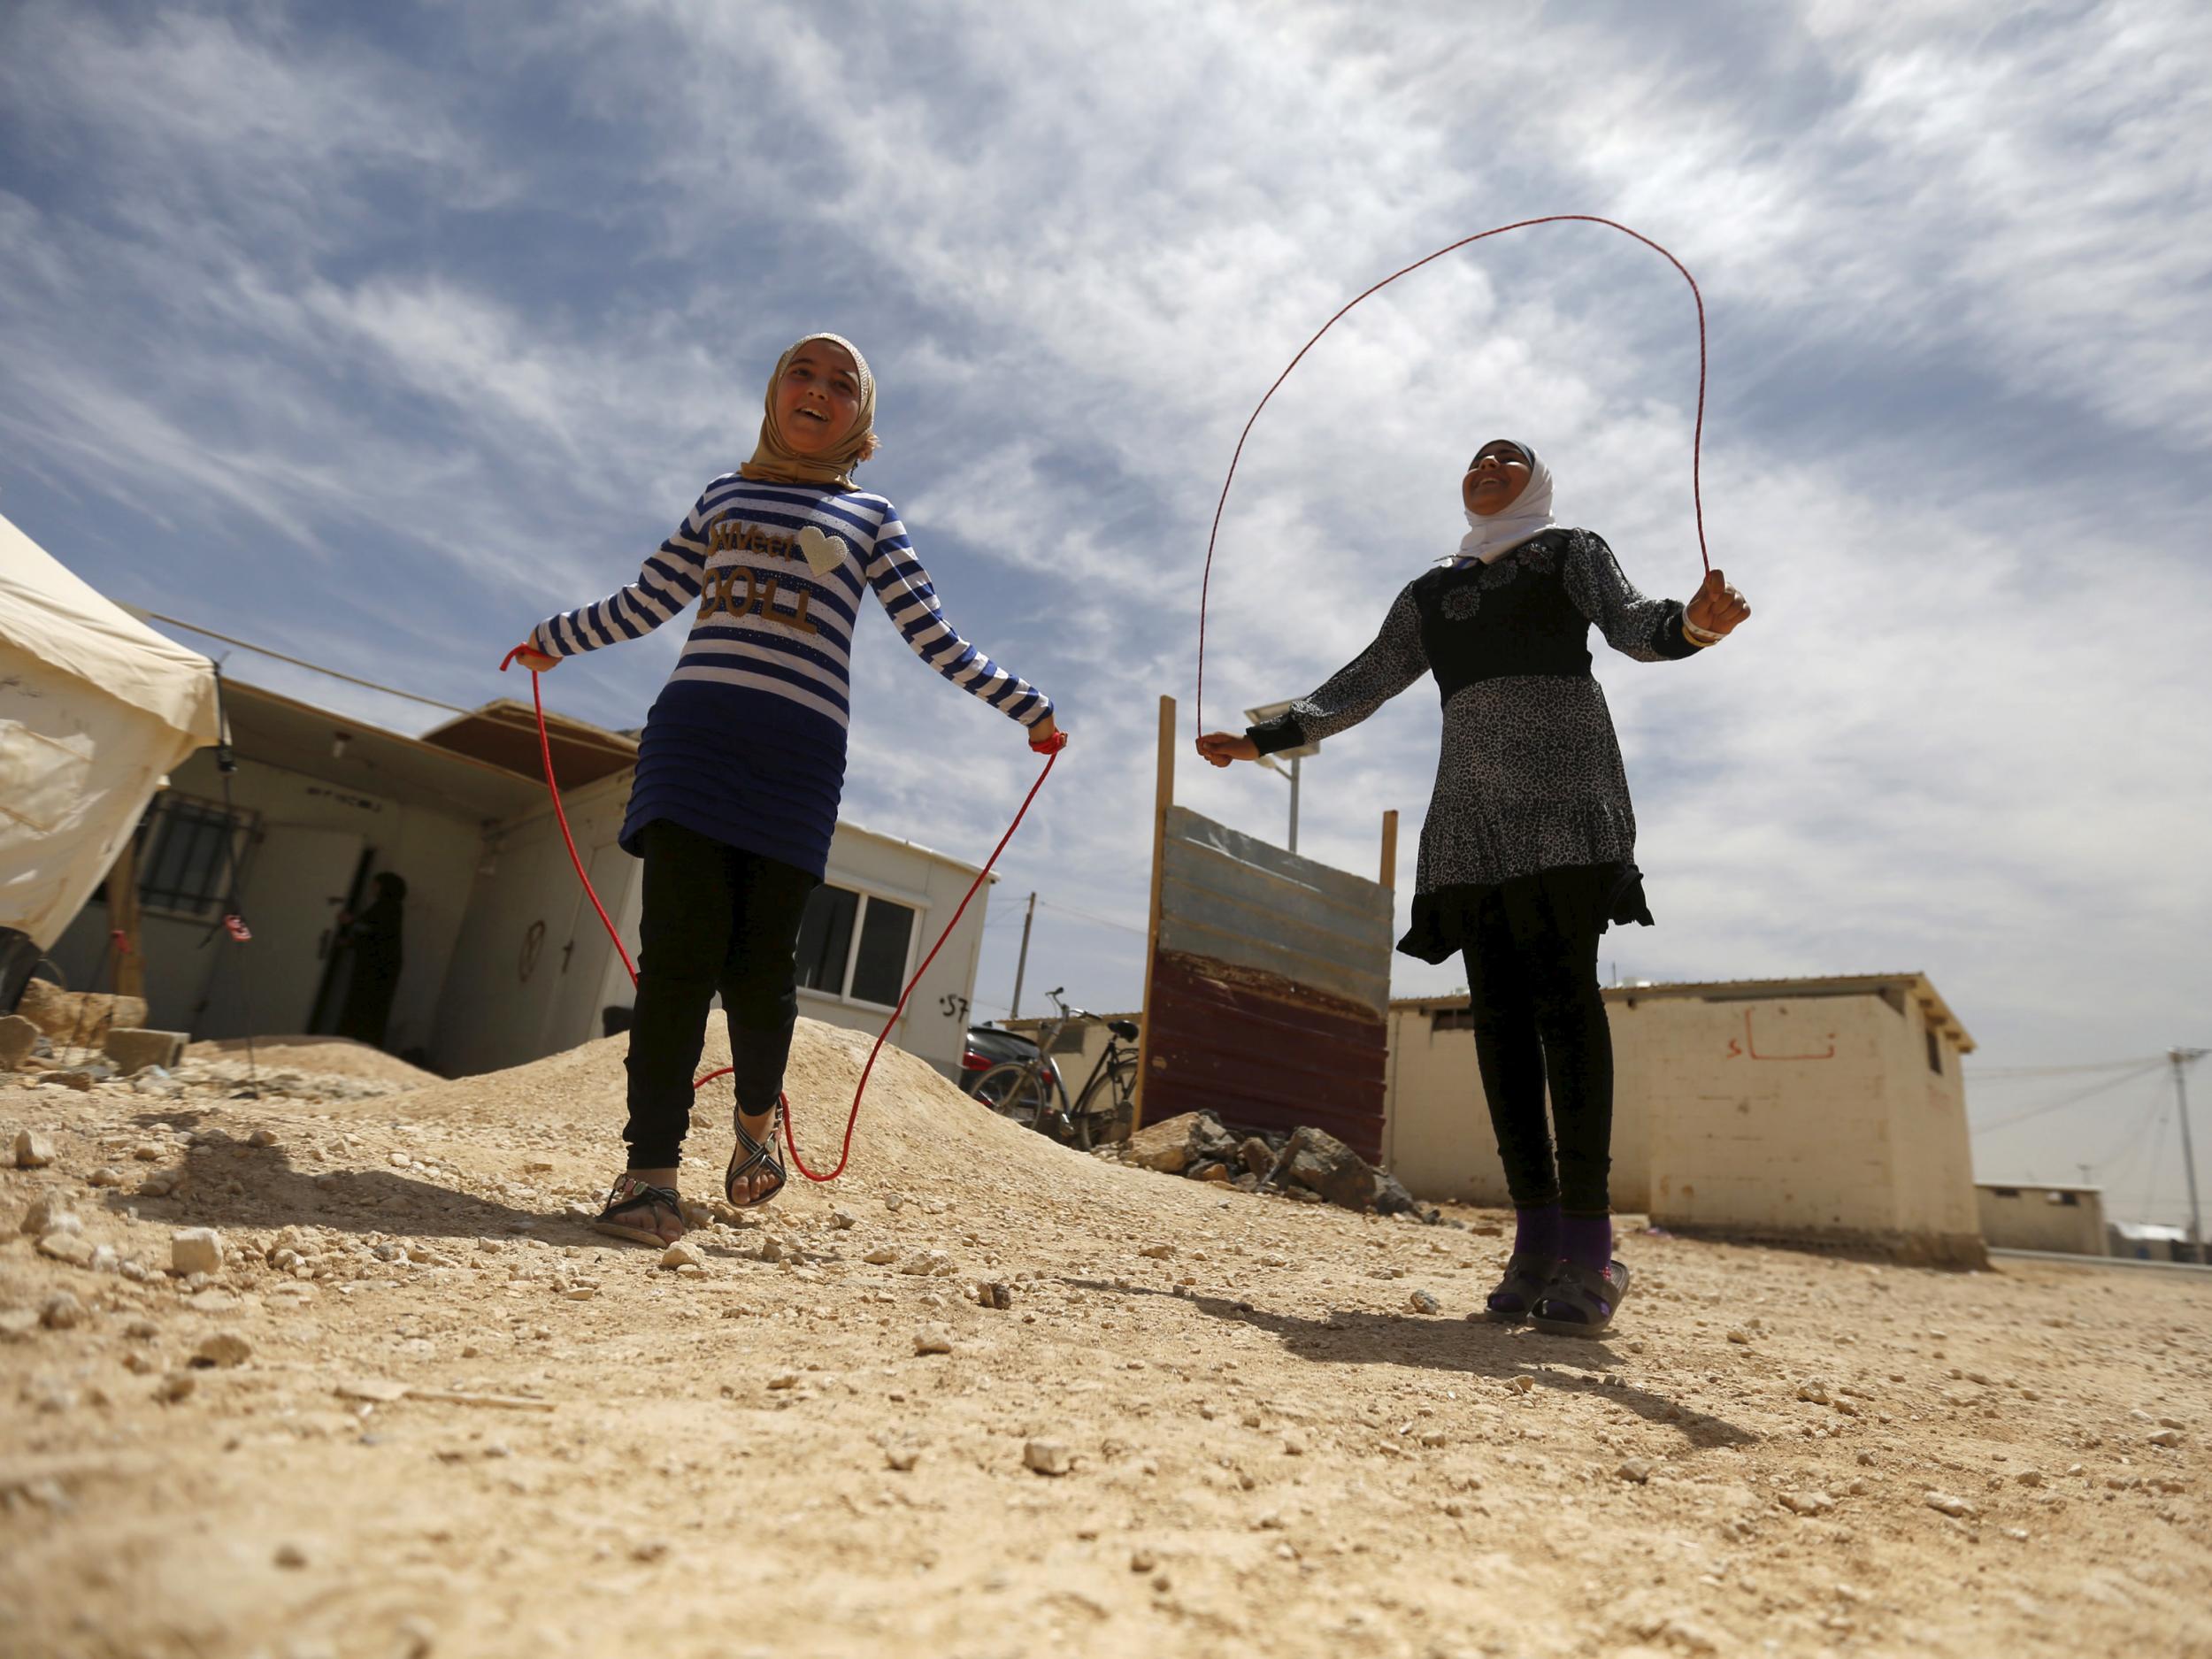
x,y
1163,798
1389,876
130,966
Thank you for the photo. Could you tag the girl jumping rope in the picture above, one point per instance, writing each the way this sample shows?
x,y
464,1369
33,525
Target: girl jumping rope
x,y
1529,849
742,760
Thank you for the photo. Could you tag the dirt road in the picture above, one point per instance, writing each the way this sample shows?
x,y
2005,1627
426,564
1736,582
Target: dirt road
x,y
447,1419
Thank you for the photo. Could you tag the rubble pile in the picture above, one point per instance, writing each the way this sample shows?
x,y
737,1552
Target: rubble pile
x,y
1307,1165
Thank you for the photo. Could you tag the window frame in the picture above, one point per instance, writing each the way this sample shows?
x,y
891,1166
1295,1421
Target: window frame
x,y
868,893
245,833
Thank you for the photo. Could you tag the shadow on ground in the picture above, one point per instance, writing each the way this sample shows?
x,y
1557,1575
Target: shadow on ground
x,y
1350,1337
273,1193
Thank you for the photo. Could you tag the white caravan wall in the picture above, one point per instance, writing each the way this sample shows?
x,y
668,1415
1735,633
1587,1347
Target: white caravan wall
x,y
435,853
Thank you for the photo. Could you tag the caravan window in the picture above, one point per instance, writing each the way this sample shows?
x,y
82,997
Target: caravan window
x,y
854,945
188,852
826,938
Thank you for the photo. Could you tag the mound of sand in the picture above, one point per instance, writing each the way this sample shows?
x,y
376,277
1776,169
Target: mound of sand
x,y
918,1136
324,1056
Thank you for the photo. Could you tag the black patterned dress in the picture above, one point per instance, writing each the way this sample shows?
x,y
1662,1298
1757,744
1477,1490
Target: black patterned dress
x,y
1530,789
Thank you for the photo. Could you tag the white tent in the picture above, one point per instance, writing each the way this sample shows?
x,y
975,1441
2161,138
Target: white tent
x,y
94,706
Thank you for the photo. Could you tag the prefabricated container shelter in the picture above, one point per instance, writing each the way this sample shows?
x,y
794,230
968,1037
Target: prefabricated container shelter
x,y
1815,1109
318,803
2153,1241
505,960
2066,1220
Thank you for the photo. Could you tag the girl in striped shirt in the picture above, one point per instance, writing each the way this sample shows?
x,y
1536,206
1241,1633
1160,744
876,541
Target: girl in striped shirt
x,y
742,758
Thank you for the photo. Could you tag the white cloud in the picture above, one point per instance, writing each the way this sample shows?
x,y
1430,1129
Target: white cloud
x,y
455,338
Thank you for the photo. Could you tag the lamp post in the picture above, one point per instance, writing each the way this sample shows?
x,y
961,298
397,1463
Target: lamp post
x,y
1268,712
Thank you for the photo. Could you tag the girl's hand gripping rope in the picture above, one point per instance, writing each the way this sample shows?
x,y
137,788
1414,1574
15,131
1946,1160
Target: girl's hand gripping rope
x,y
1717,608
1047,738
532,658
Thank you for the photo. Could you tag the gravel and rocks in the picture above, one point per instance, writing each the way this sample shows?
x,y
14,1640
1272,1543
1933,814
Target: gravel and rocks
x,y
1196,1422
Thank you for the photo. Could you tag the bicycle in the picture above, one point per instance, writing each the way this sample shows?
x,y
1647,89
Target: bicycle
x,y
1025,1091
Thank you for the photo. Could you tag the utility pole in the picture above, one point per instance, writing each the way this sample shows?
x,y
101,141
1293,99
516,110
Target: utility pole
x,y
1258,716
2183,1059
1021,963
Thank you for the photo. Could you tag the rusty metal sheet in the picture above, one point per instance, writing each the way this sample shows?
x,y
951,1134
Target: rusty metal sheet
x,y
1228,896
1263,1052
1270,988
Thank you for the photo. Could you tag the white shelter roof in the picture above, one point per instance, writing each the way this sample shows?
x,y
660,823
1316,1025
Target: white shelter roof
x,y
49,613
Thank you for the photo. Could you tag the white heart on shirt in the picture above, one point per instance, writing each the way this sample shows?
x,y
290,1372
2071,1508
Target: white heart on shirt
x,y
823,552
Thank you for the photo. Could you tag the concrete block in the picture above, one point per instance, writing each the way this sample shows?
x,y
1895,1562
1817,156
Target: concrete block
x,y
195,1250
77,1017
134,1049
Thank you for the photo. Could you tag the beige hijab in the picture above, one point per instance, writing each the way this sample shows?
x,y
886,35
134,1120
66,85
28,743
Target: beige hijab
x,y
773,461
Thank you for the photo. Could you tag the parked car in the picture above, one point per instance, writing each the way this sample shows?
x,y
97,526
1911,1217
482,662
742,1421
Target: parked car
x,y
987,1046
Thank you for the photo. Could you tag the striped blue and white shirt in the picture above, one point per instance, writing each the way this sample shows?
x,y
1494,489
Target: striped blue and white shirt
x,y
746,743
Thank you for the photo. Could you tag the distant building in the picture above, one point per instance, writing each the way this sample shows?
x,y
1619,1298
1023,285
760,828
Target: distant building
x,y
503,959
2150,1242
1822,1110
2068,1220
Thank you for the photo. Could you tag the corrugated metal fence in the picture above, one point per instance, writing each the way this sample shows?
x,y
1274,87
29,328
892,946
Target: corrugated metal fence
x,y
1268,988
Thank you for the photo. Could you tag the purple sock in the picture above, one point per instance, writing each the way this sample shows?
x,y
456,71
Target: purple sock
x,y
1587,1240
1536,1232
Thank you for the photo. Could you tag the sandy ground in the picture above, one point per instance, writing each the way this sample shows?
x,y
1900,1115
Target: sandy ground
x,y
1267,1451
327,1057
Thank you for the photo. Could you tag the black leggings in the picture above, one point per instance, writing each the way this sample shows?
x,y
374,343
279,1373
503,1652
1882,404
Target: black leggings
x,y
1532,985
716,919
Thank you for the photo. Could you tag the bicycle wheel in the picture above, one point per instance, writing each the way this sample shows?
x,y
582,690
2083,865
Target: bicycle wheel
x,y
1013,1091
1107,1105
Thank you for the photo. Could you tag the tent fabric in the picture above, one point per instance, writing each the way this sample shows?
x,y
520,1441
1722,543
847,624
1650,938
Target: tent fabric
x,y
95,707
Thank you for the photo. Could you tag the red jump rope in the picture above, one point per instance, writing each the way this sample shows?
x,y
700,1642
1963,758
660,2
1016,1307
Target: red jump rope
x,y
1052,746
1697,440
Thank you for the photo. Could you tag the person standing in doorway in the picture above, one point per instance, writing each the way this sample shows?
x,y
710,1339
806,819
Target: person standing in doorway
x,y
373,938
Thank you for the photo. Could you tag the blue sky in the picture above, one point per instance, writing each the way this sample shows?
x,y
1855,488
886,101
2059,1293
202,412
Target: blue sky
x,y
377,332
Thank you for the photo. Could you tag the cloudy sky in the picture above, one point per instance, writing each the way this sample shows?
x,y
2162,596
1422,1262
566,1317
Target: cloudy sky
x,y
377,332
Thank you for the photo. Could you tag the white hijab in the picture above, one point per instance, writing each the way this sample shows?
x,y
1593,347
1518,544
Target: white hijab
x,y
1492,537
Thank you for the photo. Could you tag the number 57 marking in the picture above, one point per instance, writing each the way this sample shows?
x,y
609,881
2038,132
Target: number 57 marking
x,y
954,1007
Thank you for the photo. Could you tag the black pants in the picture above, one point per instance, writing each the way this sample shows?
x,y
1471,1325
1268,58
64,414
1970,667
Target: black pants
x,y
1532,985
715,919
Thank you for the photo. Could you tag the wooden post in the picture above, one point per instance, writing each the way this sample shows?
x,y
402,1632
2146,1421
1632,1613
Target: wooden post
x,y
130,965
1164,797
1390,1049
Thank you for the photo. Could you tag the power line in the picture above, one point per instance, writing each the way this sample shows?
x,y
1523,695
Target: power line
x,y
2014,1073
2133,1137
2074,1099
2150,1176
1069,910
2122,1169
248,645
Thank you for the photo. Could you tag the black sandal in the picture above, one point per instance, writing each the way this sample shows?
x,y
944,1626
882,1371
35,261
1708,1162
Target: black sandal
x,y
1581,1301
756,1156
629,1195
1527,1276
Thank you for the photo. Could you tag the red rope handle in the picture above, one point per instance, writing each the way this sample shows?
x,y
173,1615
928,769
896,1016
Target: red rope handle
x,y
1697,440
1049,748
545,749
